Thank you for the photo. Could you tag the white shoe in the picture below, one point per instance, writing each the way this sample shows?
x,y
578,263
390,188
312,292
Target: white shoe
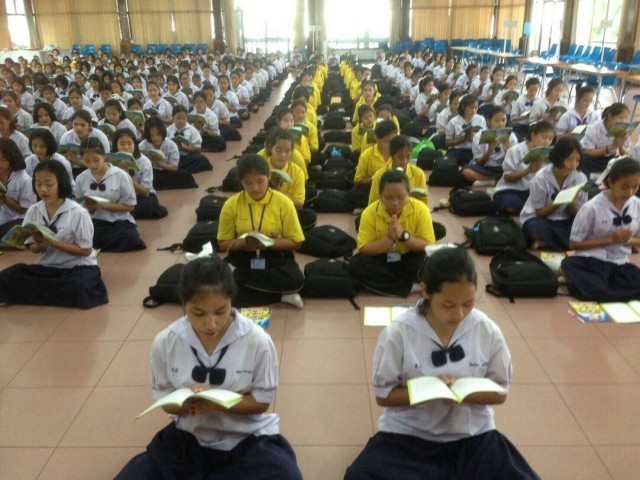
x,y
415,288
483,183
358,211
293,299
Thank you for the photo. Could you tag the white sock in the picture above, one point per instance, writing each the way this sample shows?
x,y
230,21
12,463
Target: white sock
x,y
415,288
293,299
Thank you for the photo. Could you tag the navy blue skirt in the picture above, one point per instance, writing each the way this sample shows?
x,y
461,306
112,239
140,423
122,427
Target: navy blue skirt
x,y
462,155
213,143
173,180
194,163
148,208
176,455
79,287
553,233
392,456
230,133
589,164
599,281
119,236
394,279
495,172
510,201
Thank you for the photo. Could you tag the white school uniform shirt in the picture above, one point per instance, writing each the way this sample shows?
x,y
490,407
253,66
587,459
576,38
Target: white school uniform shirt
x,y
421,103
27,101
20,189
522,105
462,82
407,87
571,119
432,111
92,94
73,224
145,176
233,101
595,136
253,83
476,87
32,162
21,141
180,97
595,220
497,157
189,132
23,119
271,69
59,107
119,189
543,190
212,120
164,108
263,78
487,90
418,62
457,124
56,128
69,111
404,352
242,94
513,163
220,109
635,153
251,365
542,106
443,119
213,80
439,72
122,124
72,137
168,147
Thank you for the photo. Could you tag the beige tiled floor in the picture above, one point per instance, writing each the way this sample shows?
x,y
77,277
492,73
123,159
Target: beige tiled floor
x,y
72,382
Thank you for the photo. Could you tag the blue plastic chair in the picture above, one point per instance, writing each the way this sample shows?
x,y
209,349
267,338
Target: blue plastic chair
x,y
203,46
572,50
153,47
162,47
89,48
175,48
106,48
190,46
636,99
441,46
634,63
594,56
549,53
77,47
137,49
577,54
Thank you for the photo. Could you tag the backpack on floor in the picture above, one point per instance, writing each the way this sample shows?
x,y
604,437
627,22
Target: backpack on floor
x,y
491,235
445,173
333,151
471,203
332,201
166,288
327,241
199,235
334,179
210,207
231,182
337,136
518,273
335,121
428,156
326,278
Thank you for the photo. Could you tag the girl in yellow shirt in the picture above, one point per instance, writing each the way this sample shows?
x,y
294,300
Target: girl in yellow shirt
x,y
369,97
264,274
394,232
286,120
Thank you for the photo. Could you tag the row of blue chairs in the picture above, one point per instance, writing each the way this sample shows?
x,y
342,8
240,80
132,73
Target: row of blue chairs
x,y
444,45
592,55
91,48
175,48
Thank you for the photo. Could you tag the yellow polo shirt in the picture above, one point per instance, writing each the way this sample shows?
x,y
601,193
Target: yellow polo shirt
x,y
417,179
295,189
296,159
358,134
361,101
371,160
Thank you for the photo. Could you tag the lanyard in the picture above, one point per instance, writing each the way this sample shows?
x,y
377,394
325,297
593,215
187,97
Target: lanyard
x,y
264,208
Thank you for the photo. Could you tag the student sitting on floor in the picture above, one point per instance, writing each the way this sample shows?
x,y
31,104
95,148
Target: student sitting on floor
x,y
543,223
114,228
189,142
8,129
441,103
364,131
45,116
299,108
512,189
603,234
446,114
212,140
227,130
285,119
393,234
19,194
580,114
369,97
82,129
44,146
167,175
264,275
157,103
598,146
461,129
521,108
371,160
541,110
114,116
76,103
424,100
488,157
22,118
492,87
478,83
203,439
232,102
147,205
446,337
66,274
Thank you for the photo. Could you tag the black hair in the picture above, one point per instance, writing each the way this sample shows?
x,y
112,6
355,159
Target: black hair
x,y
62,79
424,82
179,109
624,167
393,176
384,107
154,122
553,83
282,112
614,110
444,87
385,128
104,87
539,127
47,137
300,102
133,101
252,163
300,92
532,81
509,78
471,67
447,265
466,101
62,176
49,88
12,154
582,91
84,115
275,134
562,149
4,112
454,95
121,132
112,102
174,79
364,109
398,143
494,110
206,275
92,144
12,94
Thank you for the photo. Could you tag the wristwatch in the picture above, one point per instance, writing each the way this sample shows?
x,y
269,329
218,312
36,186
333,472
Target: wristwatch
x,y
404,236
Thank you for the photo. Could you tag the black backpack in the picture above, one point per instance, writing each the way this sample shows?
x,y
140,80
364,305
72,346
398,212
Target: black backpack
x,y
335,121
210,207
327,241
337,136
471,203
325,278
491,235
337,162
334,151
427,157
200,234
518,273
231,182
166,288
332,201
445,173
334,179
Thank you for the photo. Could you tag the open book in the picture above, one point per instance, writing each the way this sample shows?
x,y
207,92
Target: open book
x,y
260,237
304,128
18,234
423,389
154,154
418,192
535,154
181,396
151,112
489,136
123,159
259,315
558,110
135,93
579,130
623,312
510,96
107,129
181,140
197,119
382,316
622,128
568,195
69,148
3,188
93,198
172,100
475,128
281,175
29,131
136,117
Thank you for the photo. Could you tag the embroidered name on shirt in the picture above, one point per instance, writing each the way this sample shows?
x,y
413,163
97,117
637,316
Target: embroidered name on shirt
x,y
250,372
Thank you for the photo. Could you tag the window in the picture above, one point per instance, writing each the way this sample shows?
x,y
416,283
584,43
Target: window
x,y
357,23
591,14
266,27
18,27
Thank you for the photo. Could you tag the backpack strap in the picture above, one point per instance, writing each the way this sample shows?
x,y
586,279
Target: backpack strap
x,y
353,302
497,293
172,248
150,302
213,189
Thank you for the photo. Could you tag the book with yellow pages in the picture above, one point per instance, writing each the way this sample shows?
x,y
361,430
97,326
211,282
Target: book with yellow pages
x,y
260,237
423,389
259,315
383,316
588,312
18,234
181,396
568,195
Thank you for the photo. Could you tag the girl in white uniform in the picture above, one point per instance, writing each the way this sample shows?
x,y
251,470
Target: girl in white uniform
x,y
191,158
461,129
66,273
580,114
114,227
44,148
157,103
215,346
446,337
212,140
8,129
522,108
17,195
82,129
541,110
45,116
114,116
542,221
605,230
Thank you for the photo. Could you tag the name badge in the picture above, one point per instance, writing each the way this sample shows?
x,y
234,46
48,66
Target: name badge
x,y
393,257
258,263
